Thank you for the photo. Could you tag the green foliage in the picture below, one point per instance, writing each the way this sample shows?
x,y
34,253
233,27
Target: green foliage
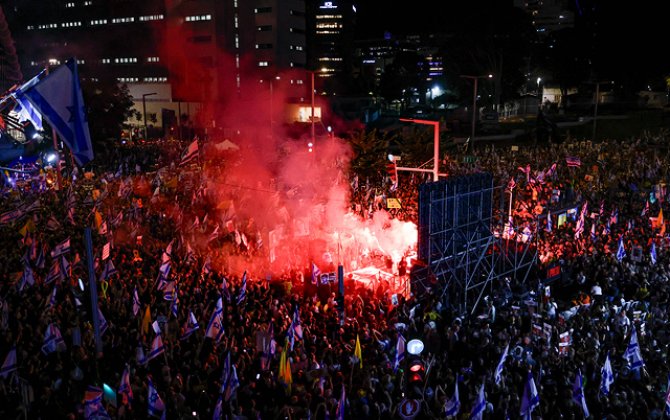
x,y
108,105
370,152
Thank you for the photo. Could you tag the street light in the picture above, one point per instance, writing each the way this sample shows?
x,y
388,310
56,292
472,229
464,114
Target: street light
x,y
474,103
144,112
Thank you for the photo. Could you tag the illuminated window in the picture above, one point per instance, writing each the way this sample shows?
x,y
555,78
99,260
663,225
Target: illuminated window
x,y
34,63
125,60
68,5
70,24
151,17
263,64
263,10
88,3
30,27
105,60
263,46
328,26
198,18
81,61
99,22
127,79
329,16
237,61
237,41
296,30
234,3
54,62
153,59
123,20
264,28
237,21
154,79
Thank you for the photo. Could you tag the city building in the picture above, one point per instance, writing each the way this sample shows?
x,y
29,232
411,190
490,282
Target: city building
x,y
547,15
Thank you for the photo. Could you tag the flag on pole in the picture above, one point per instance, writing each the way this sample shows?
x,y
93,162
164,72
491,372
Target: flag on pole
x,y
530,399
243,289
136,302
593,232
578,393
573,161
55,272
93,408
621,251
157,348
218,409
549,224
58,97
339,413
358,354
191,326
315,273
645,210
667,399
215,326
103,322
9,365
232,383
453,405
155,403
633,355
53,340
124,387
501,365
652,253
607,376
190,153
399,352
106,250
479,405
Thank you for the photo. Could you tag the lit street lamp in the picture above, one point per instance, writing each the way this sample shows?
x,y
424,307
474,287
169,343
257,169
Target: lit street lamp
x,y
474,103
144,112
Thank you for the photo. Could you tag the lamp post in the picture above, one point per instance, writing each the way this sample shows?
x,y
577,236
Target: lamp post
x,y
474,103
144,112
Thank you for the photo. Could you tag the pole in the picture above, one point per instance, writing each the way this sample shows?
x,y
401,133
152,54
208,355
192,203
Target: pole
x,y
474,114
313,130
595,111
436,147
59,177
93,290
271,106
144,114
179,118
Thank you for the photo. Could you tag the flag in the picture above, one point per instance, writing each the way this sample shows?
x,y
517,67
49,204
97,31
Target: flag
x,y
607,376
602,208
243,290
225,372
269,346
339,413
57,96
479,405
136,302
621,251
633,355
399,352
93,408
9,364
218,409
549,226
124,387
25,110
190,153
501,365
214,234
593,232
614,218
174,306
53,340
295,329
578,393
28,277
215,326
667,399
52,298
157,348
54,272
608,228
61,248
64,267
652,253
103,322
645,210
453,405
155,403
109,270
573,161
531,399
232,383
191,326
105,250
315,273
358,354
146,320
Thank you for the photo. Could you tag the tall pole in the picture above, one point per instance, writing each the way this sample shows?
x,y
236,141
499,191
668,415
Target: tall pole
x,y
595,111
313,128
54,136
144,112
474,114
271,106
436,148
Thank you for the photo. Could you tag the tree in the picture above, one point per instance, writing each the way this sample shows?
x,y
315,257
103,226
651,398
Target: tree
x,y
108,106
402,75
370,151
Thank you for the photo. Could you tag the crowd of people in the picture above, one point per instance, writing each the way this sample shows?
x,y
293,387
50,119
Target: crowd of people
x,y
190,328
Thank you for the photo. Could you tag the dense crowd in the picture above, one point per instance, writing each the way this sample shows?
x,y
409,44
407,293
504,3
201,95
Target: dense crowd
x,y
270,344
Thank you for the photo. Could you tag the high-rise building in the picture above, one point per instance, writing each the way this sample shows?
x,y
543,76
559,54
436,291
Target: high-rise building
x,y
547,15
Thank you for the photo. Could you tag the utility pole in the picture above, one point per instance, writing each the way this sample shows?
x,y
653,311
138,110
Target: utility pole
x,y
436,148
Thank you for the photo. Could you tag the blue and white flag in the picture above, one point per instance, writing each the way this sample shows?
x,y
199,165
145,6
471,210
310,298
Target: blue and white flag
x,y
218,409
28,277
549,224
164,272
61,248
501,365
157,348
399,352
215,326
315,273
191,326
453,405
124,387
608,228
174,306
621,251
341,403
108,270
103,323
55,272
53,340
652,253
57,96
64,266
633,355
667,399
593,235
479,405
9,364
93,408
243,289
155,403
578,393
232,383
607,376
295,329
190,153
52,298
225,372
530,399
136,302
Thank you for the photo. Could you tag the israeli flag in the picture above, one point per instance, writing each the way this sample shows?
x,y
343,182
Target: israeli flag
x,y
578,393
453,405
103,322
667,399
154,402
531,398
215,326
93,408
399,352
53,340
136,302
9,365
652,254
633,355
57,96
243,289
479,406
124,387
191,326
501,365
315,273
549,226
157,348
621,252
607,376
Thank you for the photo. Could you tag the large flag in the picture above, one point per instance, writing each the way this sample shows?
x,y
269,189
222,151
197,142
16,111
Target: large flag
x,y
479,405
157,348
530,399
24,108
57,96
155,403
633,355
358,354
9,364
399,352
501,365
190,153
621,251
607,376
578,393
124,387
453,405
53,340
191,326
93,408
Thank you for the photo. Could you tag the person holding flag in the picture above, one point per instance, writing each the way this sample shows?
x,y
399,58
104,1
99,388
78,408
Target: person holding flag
x,y
530,399
453,405
607,376
578,394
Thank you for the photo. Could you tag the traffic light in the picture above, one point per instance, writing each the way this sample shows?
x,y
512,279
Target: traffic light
x,y
416,376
